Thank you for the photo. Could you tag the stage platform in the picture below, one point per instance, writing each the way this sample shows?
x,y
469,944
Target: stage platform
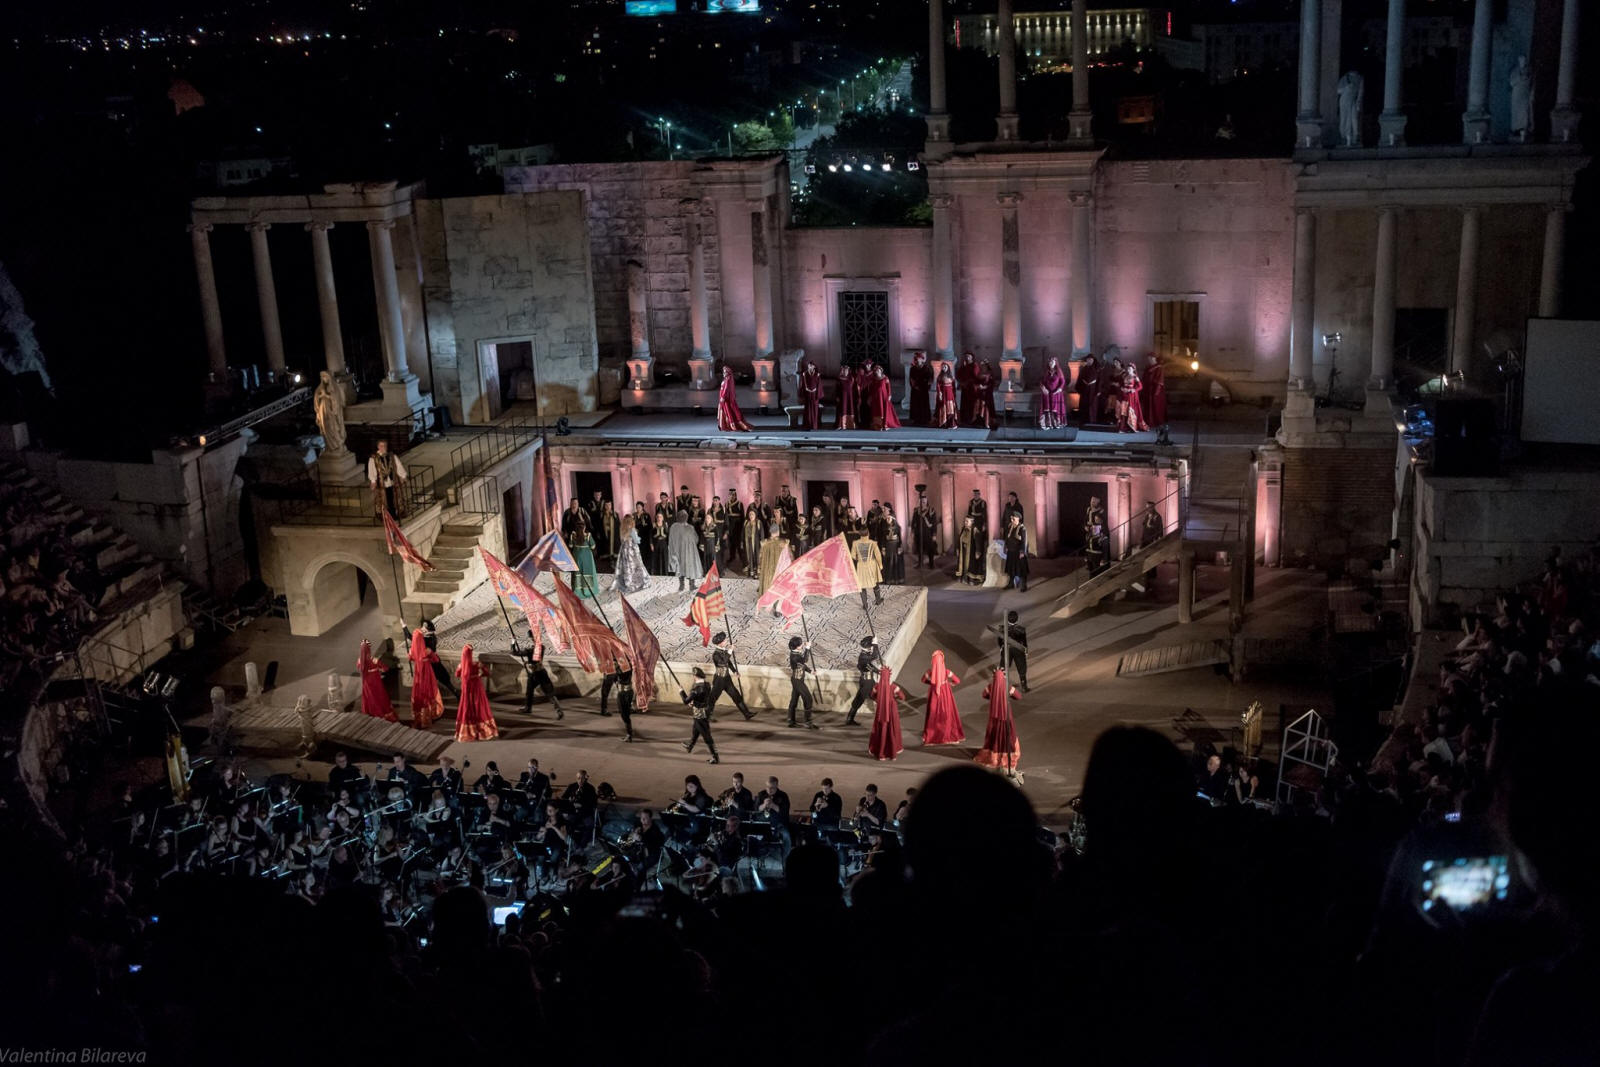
x,y
761,644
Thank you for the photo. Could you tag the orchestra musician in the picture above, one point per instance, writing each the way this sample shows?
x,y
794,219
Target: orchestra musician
x,y
826,806
649,836
492,818
456,867
446,777
402,772
490,781
904,807
737,796
729,847
773,805
344,805
694,800
870,809
342,775
535,783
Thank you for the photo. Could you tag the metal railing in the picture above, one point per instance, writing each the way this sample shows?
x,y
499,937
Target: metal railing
x,y
357,505
1130,550
399,432
478,496
490,447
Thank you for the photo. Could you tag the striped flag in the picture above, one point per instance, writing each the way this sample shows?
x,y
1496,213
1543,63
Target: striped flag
x,y
550,505
541,614
646,654
824,571
592,640
399,546
550,553
706,605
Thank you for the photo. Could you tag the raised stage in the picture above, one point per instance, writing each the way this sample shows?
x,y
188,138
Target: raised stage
x,y
761,644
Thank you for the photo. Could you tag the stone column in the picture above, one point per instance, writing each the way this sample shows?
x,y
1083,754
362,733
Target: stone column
x,y
1251,502
1392,120
327,298
752,484
210,308
938,116
1564,117
266,295
1475,121
995,500
1302,345
391,327
624,504
699,310
638,311
947,510
1308,120
761,276
1383,286
1010,278
1186,585
709,488
1041,538
1006,121
664,480
1080,120
1079,308
944,278
902,502
1125,505
1466,312
1552,268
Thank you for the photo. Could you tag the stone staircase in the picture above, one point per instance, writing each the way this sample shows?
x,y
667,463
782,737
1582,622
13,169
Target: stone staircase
x,y
455,553
1121,574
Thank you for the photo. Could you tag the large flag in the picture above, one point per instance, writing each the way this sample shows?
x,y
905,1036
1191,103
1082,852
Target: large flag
x,y
399,546
706,605
824,571
596,647
550,553
550,506
541,614
646,654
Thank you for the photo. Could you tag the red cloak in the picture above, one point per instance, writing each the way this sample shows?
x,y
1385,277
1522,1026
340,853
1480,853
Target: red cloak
x,y
1001,748
427,705
1155,387
729,417
882,402
845,414
811,393
921,383
885,740
946,415
474,719
943,726
374,697
967,380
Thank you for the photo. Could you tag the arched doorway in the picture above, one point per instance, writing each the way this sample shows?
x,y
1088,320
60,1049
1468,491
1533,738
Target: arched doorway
x,y
336,587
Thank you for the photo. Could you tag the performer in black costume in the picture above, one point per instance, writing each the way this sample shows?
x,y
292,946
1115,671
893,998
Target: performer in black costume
x,y
699,700
431,640
867,667
799,694
1019,647
538,678
724,668
624,679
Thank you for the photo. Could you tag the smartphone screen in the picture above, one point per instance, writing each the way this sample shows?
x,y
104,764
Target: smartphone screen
x,y
1465,883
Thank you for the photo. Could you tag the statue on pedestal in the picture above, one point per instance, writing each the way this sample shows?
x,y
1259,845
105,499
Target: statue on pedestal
x,y
328,403
1350,90
1521,87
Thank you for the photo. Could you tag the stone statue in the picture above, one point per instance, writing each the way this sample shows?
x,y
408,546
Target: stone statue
x,y
308,724
1521,83
328,402
1350,89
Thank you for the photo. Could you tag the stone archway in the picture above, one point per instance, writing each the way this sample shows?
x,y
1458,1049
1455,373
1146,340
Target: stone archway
x,y
329,591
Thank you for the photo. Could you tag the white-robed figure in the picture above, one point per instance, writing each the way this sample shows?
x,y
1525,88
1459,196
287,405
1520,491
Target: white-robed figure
x,y
683,552
631,575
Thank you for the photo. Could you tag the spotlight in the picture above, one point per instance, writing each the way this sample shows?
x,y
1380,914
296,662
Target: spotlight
x,y
886,168
847,168
913,165
202,440
1194,364
297,378
170,687
833,168
811,168
152,682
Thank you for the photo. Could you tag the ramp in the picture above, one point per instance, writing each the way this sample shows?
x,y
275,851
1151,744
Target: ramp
x,y
1169,658
350,729
1121,574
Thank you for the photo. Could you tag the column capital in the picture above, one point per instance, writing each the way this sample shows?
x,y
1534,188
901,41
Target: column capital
x,y
200,227
1300,211
1080,198
1008,200
1471,210
380,224
257,226
941,201
319,224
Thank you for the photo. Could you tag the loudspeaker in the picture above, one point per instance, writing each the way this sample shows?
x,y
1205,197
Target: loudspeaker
x,y
1465,443
1033,433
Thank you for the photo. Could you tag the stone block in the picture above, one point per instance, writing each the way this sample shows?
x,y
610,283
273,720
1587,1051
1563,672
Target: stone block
x,y
668,282
521,279
496,265
662,299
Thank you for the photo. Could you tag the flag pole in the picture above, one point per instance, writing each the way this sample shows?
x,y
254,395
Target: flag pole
x,y
816,686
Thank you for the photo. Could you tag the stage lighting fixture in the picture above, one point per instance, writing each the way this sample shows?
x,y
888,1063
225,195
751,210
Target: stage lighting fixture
x,y
886,167
152,682
847,168
811,168
913,165
1194,364
170,687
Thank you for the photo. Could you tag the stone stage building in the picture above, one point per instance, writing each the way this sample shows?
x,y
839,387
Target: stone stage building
x,y
598,286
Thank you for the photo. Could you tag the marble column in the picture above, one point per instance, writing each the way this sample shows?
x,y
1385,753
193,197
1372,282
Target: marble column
x,y
752,484
1010,278
1383,289
947,510
944,278
1124,505
902,503
1308,120
1080,120
1006,121
210,307
391,327
664,481
266,295
1040,538
1302,324
624,504
709,487
995,500
761,276
1392,120
1466,310
938,115
1475,121
1564,117
1081,273
327,298
638,311
699,309
1552,267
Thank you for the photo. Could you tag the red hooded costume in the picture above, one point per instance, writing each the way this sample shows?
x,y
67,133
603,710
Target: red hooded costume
x,y
1001,748
427,705
374,697
943,725
474,720
885,740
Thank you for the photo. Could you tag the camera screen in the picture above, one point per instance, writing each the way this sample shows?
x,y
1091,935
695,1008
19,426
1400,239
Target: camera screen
x,y
1464,883
500,913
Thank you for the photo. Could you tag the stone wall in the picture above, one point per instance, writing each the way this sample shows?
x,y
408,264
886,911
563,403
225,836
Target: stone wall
x,y
1337,503
892,258
504,269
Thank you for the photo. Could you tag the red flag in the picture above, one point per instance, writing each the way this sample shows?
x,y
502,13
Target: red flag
x,y
1001,746
592,640
646,654
824,571
541,614
550,507
706,605
399,546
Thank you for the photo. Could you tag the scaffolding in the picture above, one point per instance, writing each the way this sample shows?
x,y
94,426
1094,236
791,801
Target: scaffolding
x,y
1308,752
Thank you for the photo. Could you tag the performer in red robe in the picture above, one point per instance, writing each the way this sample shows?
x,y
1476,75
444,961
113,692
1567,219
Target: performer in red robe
x,y
943,725
474,719
845,411
1132,411
885,740
1053,396
729,417
921,384
811,397
967,382
946,415
374,697
427,705
881,400
1001,748
866,385
1155,391
983,387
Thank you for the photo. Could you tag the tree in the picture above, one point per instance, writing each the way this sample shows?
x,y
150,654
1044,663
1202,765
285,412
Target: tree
x,y
867,194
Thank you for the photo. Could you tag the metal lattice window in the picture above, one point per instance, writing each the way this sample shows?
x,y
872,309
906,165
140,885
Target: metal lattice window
x,y
864,328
